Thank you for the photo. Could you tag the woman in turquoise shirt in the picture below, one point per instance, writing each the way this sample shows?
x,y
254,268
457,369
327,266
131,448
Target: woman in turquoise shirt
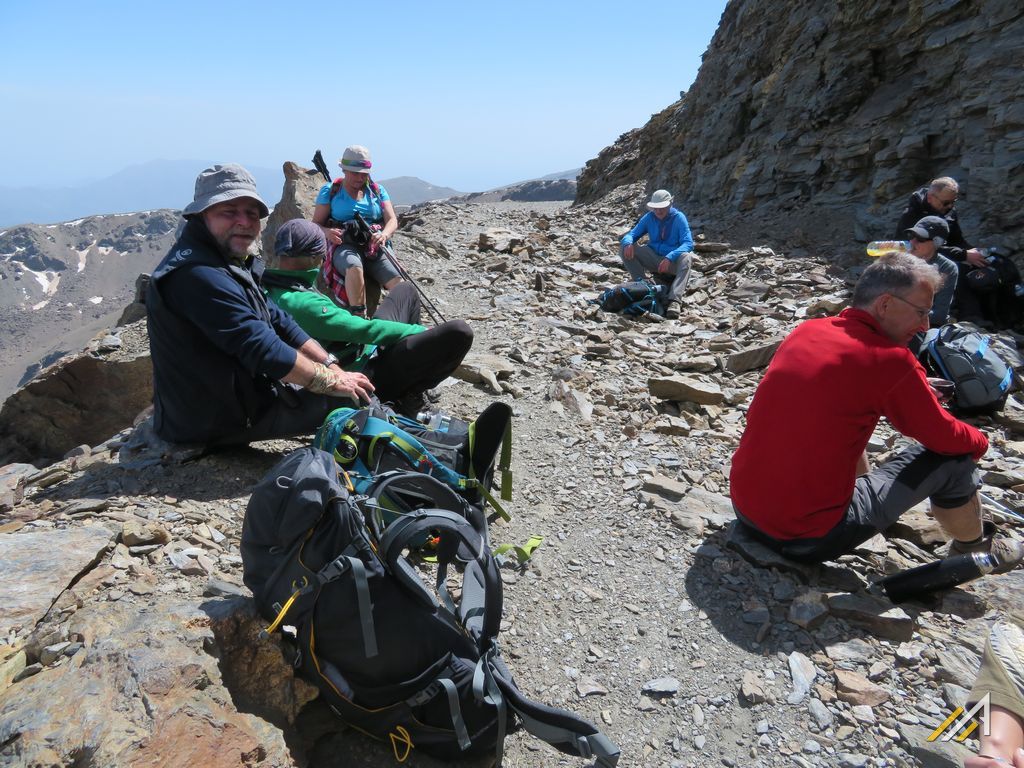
x,y
353,259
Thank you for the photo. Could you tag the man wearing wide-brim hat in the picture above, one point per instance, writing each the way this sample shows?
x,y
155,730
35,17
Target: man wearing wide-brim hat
x,y
668,250
228,366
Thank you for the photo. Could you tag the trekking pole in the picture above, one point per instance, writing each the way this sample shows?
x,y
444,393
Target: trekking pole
x,y
1001,509
428,305
320,165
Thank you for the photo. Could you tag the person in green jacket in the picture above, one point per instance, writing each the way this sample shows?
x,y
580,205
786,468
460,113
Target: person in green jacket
x,y
402,358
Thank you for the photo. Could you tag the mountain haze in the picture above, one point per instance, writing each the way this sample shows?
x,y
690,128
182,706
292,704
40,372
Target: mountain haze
x,y
149,186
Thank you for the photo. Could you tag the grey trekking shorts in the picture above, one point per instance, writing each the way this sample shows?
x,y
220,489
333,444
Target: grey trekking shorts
x,y
380,269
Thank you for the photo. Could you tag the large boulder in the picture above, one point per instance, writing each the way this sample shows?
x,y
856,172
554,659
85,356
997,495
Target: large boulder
x,y
80,399
298,199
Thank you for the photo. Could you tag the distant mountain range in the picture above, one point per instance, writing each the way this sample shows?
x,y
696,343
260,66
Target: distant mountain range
x,y
62,283
160,184
146,187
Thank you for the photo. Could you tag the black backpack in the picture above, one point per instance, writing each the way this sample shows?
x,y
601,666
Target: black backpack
x,y
967,358
999,289
634,298
401,662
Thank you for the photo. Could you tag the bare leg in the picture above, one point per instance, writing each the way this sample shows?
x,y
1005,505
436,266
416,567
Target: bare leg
x,y
392,283
962,523
1005,741
863,467
355,287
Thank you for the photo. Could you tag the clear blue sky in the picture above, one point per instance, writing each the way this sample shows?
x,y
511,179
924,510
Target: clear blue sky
x,y
467,95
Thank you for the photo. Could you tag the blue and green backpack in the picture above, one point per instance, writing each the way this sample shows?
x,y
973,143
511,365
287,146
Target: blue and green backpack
x,y
373,444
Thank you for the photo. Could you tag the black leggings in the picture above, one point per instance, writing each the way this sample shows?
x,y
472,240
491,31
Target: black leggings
x,y
421,361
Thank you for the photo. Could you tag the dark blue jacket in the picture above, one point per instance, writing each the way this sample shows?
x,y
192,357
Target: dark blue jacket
x,y
956,246
218,346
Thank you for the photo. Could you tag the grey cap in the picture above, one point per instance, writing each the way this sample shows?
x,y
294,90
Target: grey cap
x,y
222,183
660,199
934,228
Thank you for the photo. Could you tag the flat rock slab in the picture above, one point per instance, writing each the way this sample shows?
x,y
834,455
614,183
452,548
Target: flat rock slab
x,y
880,616
752,357
36,567
146,690
686,389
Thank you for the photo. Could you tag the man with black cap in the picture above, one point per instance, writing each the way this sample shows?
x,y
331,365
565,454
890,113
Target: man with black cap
x,y
228,366
926,238
668,252
401,357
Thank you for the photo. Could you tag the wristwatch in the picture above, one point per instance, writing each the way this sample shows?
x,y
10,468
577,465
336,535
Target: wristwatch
x,y
330,360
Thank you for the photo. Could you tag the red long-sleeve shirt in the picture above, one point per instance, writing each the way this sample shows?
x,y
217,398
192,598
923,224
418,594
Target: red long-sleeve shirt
x,y
813,413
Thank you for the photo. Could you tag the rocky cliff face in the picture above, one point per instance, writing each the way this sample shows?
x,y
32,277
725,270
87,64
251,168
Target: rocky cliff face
x,y
814,121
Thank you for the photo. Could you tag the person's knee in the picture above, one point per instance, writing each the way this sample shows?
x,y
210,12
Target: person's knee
x,y
352,261
961,482
394,282
458,334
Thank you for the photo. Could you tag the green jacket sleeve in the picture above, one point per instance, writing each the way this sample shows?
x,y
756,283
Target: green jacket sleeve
x,y
322,319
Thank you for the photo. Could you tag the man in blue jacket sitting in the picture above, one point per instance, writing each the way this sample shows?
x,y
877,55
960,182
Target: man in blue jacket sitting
x,y
669,248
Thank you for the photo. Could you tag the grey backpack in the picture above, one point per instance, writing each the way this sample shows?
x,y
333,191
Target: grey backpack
x,y
968,359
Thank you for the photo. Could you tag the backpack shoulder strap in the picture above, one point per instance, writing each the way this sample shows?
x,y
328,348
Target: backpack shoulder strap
x,y
335,188
561,729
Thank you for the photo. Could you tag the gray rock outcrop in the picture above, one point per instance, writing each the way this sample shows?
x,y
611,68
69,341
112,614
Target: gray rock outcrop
x,y
804,113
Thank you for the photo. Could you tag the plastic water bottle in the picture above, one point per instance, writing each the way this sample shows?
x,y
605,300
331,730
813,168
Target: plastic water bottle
x,y
434,421
878,247
941,574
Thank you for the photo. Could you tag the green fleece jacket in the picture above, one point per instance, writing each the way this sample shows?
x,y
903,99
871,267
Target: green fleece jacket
x,y
351,338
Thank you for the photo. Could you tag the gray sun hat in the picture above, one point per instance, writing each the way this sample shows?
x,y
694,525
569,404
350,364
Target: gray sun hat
x,y
660,199
356,158
934,228
222,183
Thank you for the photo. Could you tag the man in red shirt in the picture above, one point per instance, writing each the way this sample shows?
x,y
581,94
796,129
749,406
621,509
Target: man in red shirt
x,y
800,476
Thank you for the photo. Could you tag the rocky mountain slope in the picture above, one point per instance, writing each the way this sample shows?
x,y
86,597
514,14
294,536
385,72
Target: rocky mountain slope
x,y
61,283
129,640
811,122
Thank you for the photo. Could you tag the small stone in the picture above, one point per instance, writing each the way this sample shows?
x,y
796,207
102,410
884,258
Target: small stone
x,y
751,690
879,616
31,669
588,686
863,713
820,713
803,673
808,610
856,689
662,686
220,588
51,653
135,533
